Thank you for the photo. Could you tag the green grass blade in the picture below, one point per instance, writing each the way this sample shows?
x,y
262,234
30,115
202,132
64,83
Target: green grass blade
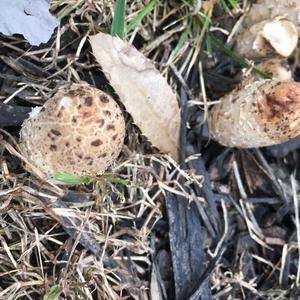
x,y
209,46
52,294
181,41
113,179
57,4
233,3
224,6
118,23
144,12
71,179
121,181
237,58
204,22
81,294
67,10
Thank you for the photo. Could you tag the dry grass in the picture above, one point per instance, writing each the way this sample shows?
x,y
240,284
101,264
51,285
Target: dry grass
x,y
99,244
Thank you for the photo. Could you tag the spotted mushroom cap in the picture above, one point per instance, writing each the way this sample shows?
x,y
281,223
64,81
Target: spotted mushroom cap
x,y
80,131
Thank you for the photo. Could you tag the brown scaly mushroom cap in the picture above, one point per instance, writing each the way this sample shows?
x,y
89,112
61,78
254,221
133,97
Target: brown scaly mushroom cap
x,y
262,113
79,131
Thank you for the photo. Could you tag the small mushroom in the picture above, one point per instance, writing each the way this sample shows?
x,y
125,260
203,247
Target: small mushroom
x,y
262,113
268,9
276,36
80,130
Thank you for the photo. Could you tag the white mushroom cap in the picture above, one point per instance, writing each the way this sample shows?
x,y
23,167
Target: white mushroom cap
x,y
267,9
262,113
282,35
274,36
80,130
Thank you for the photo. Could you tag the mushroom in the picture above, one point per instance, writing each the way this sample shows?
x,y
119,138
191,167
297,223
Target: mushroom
x,y
277,36
267,9
258,114
80,130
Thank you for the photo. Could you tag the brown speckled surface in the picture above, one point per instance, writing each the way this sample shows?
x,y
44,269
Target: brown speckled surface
x,y
257,114
79,131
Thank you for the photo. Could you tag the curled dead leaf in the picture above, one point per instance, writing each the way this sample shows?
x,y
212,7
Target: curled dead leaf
x,y
144,92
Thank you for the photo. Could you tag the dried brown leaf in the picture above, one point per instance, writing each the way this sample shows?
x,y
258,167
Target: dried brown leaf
x,y
144,92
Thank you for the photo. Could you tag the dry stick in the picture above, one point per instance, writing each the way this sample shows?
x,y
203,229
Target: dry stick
x,y
283,280
286,207
254,230
183,129
22,79
269,171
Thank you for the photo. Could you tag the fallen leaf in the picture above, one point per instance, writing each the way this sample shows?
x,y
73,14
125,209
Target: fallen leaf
x,y
30,18
144,92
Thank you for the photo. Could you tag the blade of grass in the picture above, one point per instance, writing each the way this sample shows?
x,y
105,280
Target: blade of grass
x,y
225,6
205,21
233,3
53,293
229,5
180,43
236,57
71,179
144,12
81,294
118,23
67,10
57,4
112,179
209,47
